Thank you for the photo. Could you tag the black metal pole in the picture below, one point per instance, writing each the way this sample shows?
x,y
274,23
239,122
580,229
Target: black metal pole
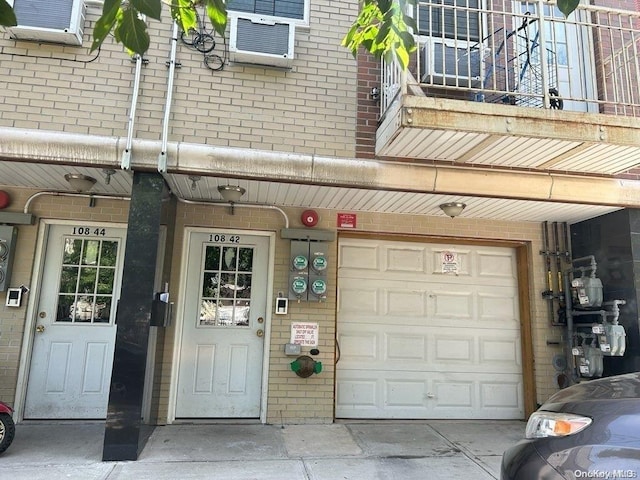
x,y
124,439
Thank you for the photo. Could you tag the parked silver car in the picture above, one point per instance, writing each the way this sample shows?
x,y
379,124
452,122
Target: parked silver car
x,y
588,430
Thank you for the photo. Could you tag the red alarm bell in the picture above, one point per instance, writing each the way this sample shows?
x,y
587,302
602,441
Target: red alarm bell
x,y
309,218
5,199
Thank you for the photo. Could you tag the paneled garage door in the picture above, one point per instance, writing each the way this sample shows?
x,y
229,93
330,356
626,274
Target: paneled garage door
x,y
427,331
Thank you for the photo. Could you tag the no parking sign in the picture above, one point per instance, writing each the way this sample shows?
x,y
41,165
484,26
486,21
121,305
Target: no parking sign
x,y
449,261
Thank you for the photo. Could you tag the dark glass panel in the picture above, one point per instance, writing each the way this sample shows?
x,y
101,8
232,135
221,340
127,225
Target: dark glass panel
x,y
244,286
105,280
245,262
109,254
63,313
87,283
102,312
210,285
212,258
68,279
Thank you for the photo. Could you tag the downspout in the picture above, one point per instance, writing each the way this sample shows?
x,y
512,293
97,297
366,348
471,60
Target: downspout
x,y
125,163
162,158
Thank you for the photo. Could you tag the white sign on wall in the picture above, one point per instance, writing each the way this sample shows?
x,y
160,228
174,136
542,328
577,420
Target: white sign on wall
x,y
449,261
304,334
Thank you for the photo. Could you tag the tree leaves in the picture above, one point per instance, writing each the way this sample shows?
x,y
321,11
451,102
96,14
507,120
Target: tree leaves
x,y
105,23
7,16
567,6
383,29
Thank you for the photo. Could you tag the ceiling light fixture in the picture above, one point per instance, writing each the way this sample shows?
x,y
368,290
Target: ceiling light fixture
x,y
194,181
231,194
453,209
107,175
79,182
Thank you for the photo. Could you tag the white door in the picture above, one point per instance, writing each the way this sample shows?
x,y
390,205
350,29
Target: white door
x,y
427,331
221,355
73,346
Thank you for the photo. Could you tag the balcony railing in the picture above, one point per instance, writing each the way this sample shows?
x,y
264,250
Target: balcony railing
x,y
523,53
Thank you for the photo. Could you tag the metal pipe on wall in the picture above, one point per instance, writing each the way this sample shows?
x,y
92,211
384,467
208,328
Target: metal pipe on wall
x,y
162,157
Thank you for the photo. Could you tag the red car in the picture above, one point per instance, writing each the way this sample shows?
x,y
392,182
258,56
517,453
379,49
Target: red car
x,y
7,427
588,430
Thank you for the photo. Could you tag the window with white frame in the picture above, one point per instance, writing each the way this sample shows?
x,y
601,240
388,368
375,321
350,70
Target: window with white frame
x,y
290,9
57,21
450,19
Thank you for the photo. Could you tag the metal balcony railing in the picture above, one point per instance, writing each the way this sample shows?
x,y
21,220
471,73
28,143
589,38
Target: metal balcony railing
x,y
523,53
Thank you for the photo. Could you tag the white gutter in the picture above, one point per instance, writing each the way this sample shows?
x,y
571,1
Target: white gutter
x,y
34,146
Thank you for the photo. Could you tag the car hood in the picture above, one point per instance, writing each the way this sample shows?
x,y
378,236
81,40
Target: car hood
x,y
609,388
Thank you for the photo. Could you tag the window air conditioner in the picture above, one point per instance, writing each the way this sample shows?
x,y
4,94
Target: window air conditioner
x,y
261,40
450,62
56,21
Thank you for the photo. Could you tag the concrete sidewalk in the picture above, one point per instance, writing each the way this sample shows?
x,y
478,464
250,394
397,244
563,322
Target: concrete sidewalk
x,y
416,450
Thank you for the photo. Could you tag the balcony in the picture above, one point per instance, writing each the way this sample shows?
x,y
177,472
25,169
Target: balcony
x,y
516,85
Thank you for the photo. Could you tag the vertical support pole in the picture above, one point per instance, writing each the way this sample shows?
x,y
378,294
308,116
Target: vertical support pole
x,y
123,438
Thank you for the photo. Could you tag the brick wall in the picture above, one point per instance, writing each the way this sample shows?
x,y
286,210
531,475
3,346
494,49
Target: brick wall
x,y
309,109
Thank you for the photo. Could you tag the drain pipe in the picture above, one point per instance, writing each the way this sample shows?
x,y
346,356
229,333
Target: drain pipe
x,y
244,205
125,164
162,158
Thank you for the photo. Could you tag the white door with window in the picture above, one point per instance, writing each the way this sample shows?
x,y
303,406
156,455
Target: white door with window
x,y
72,356
223,325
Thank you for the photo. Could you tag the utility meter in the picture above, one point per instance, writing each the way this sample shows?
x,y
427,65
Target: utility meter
x,y
319,288
299,286
300,262
308,271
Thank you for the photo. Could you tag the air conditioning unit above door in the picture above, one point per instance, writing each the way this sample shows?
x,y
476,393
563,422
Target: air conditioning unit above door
x,y
445,62
261,40
54,21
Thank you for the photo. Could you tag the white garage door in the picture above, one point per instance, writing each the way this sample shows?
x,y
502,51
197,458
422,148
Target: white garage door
x,y
427,331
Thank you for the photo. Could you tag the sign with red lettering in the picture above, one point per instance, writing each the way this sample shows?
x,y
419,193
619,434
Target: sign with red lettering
x,y
304,334
346,220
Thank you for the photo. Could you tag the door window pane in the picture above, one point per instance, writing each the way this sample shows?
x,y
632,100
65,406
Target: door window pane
x,y
226,293
87,281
